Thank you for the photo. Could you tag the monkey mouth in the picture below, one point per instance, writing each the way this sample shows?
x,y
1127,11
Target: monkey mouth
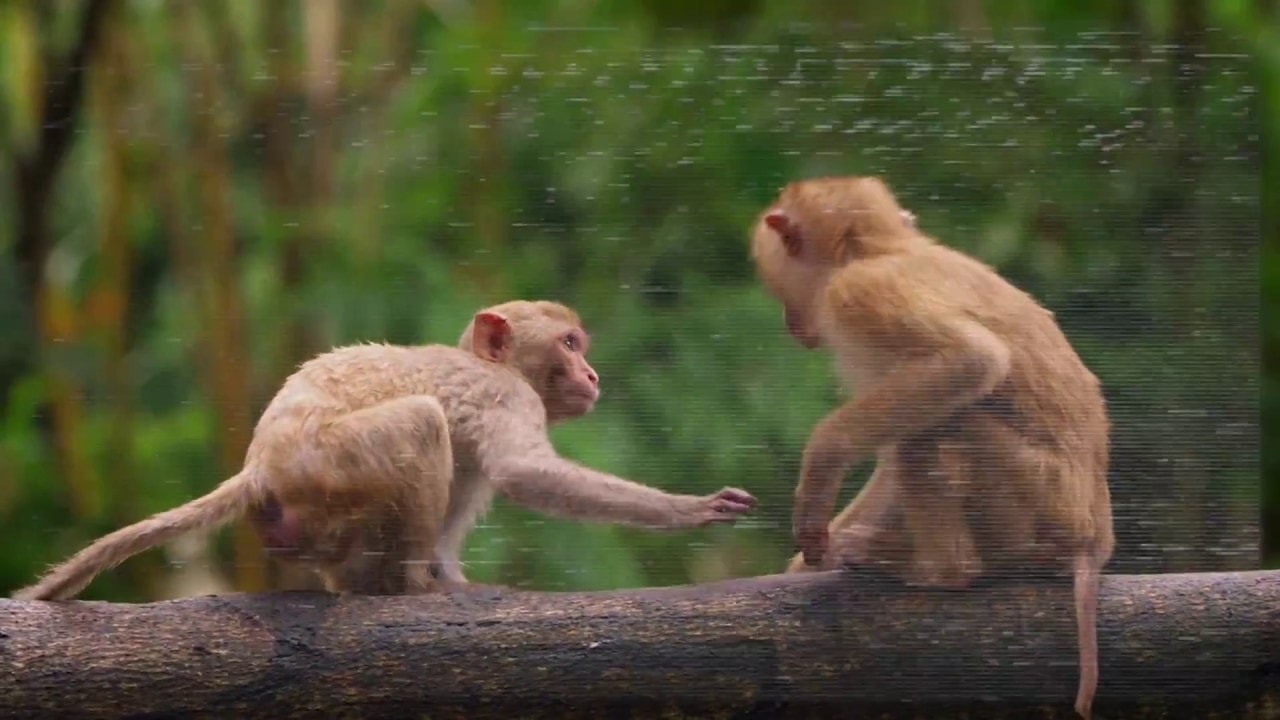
x,y
581,401
585,398
579,394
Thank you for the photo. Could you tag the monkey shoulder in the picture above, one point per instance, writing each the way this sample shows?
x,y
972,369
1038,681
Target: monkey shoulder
x,y
488,407
364,374
473,390
888,294
937,279
349,375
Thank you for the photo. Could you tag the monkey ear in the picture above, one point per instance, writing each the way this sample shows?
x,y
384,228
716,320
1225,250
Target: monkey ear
x,y
491,337
788,231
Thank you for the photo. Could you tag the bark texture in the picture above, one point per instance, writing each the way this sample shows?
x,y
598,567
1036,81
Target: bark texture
x,y
817,645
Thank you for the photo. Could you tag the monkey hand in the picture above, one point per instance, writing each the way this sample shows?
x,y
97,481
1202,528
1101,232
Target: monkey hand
x,y
811,539
723,506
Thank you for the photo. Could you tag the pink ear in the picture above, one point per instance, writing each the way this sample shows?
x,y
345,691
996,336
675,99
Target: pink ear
x,y
777,220
491,337
780,222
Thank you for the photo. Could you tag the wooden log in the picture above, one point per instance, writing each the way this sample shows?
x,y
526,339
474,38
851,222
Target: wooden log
x,y
815,645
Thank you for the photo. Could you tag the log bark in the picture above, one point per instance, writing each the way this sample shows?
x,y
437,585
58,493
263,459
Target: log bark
x,y
815,645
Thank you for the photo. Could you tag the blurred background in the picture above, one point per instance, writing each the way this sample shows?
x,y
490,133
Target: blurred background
x,y
198,196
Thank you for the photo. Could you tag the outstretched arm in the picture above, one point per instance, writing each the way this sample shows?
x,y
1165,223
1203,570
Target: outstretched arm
x,y
546,482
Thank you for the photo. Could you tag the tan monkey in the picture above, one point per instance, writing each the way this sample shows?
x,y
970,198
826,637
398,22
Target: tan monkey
x,y
990,434
373,461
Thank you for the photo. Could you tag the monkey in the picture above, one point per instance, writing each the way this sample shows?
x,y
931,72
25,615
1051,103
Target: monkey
x,y
372,461
989,434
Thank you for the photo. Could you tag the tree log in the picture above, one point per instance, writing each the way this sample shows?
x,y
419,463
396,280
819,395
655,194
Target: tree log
x,y
813,645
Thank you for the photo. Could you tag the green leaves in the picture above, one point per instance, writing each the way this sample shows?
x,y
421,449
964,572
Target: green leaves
x,y
596,154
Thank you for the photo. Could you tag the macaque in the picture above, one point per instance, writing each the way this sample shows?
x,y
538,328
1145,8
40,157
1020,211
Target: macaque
x,y
373,461
990,435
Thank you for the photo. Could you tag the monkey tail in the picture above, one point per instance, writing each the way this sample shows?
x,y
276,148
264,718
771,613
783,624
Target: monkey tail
x,y
225,502
1087,580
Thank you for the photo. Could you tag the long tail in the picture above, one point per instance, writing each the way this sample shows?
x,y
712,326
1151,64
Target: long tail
x,y
1086,594
221,505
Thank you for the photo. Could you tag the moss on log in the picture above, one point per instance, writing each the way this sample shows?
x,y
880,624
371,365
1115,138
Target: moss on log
x,y
818,645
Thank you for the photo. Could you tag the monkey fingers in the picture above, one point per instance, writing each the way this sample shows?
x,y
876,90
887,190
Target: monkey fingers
x,y
552,484
871,531
809,527
811,540
727,504
870,507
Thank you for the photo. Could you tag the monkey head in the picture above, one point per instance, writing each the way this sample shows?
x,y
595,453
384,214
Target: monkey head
x,y
545,342
814,228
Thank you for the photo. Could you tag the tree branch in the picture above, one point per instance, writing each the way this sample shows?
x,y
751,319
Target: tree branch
x,y
817,645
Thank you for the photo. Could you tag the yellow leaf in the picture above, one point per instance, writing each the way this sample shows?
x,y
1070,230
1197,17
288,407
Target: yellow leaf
x,y
23,73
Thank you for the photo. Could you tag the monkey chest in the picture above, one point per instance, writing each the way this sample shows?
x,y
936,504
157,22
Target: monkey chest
x,y
860,364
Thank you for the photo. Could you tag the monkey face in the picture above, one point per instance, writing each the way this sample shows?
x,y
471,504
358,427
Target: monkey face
x,y
545,343
814,228
789,275
572,385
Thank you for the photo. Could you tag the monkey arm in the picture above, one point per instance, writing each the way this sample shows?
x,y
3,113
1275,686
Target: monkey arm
x,y
968,363
549,483
914,396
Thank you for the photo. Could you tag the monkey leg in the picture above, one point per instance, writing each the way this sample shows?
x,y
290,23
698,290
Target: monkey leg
x,y
470,498
1035,517
935,518
869,508
908,521
373,564
393,462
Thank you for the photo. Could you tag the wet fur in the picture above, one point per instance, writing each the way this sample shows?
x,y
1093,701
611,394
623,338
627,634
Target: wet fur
x,y
990,434
372,462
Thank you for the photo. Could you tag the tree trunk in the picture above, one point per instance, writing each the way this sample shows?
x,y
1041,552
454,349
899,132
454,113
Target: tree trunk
x,y
812,645
230,366
36,169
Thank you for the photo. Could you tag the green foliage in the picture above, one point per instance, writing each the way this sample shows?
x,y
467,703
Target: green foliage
x,y
612,155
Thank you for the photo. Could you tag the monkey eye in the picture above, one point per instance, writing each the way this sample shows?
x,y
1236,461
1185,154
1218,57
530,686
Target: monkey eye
x,y
570,343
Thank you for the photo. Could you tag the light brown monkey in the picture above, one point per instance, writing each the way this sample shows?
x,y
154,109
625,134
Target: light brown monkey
x,y
373,461
990,434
